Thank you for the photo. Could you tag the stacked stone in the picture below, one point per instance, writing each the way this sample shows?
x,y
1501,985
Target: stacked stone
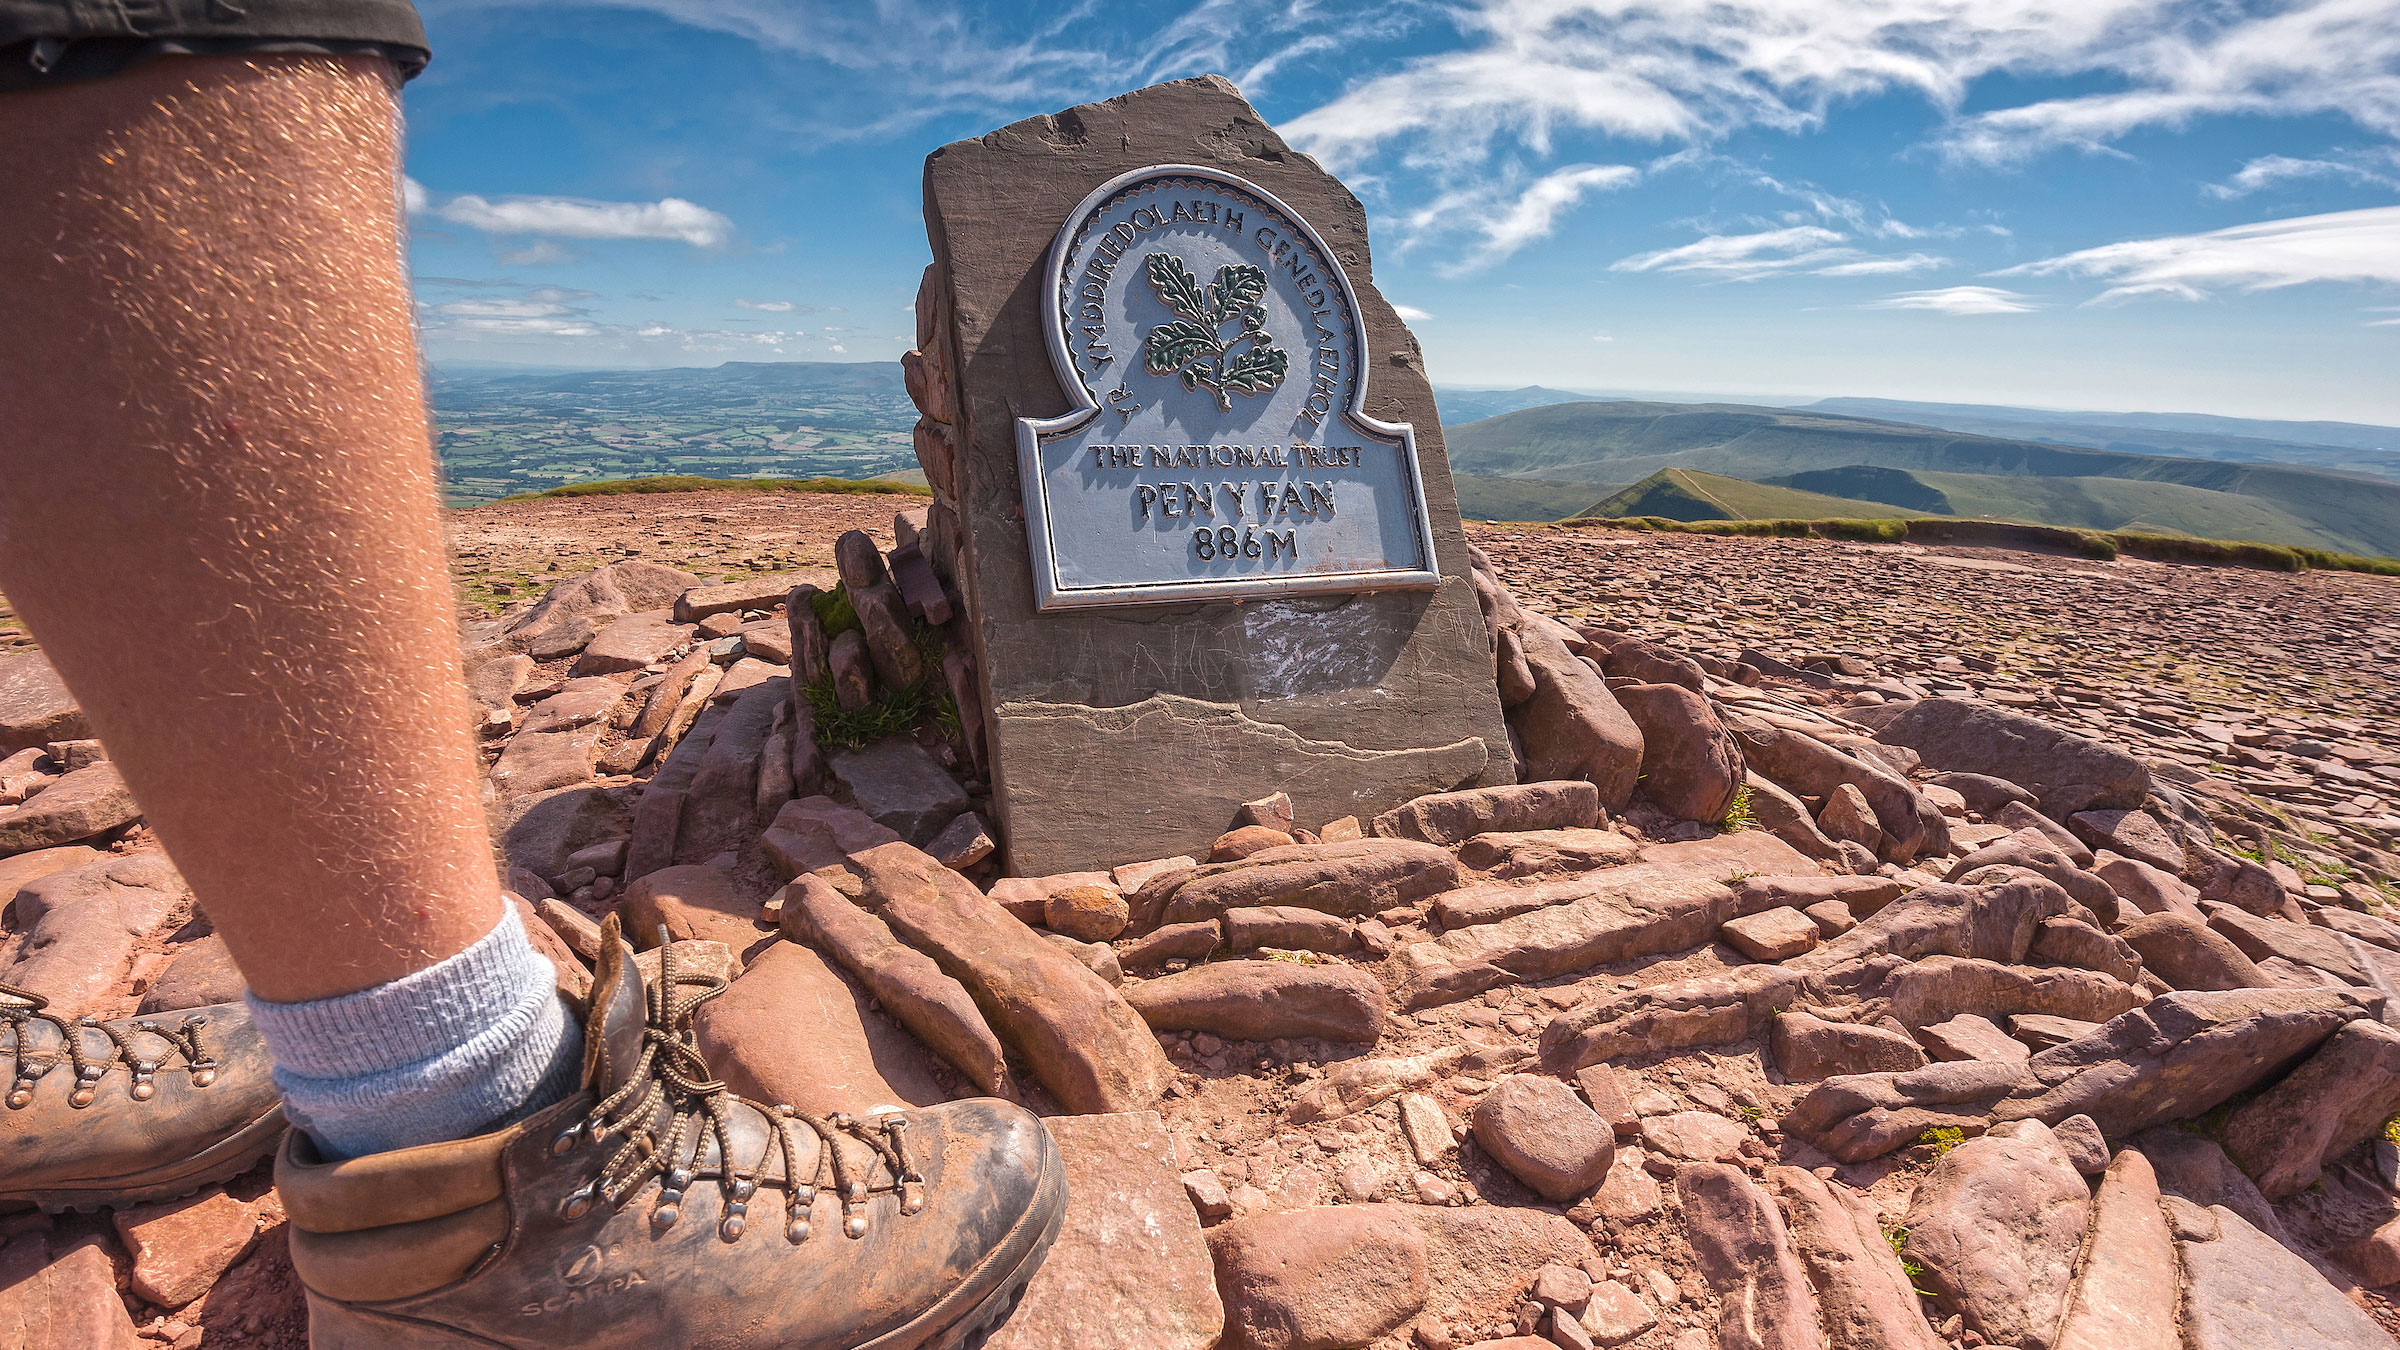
x,y
925,562
932,379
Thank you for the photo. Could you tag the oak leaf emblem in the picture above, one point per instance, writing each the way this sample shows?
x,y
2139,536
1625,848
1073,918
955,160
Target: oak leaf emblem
x,y
1193,345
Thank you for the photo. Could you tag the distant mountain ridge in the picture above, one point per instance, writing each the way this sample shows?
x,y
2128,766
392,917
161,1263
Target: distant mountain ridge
x,y
2324,445
2352,435
2001,477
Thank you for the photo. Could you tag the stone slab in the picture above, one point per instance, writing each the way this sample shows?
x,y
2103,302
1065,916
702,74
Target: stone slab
x,y
1353,704
35,707
1131,1270
2244,1291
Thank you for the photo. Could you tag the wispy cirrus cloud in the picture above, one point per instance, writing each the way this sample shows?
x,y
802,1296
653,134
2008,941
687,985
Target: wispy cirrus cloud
x,y
670,218
1811,250
1499,219
2268,171
770,306
2343,246
1959,300
1696,70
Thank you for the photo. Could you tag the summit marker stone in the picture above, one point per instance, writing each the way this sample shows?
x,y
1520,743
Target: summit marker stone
x,y
1198,506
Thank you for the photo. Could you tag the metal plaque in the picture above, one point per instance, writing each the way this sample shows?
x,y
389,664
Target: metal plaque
x,y
1218,447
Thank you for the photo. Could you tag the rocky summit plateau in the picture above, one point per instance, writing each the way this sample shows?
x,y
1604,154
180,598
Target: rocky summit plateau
x,y
1884,947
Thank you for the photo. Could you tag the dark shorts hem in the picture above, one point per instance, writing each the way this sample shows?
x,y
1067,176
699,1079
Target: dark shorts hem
x,y
55,42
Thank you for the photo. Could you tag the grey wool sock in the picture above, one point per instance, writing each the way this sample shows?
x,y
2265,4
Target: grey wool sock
x,y
458,1049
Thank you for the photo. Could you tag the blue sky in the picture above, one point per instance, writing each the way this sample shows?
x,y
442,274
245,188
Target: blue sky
x,y
2187,205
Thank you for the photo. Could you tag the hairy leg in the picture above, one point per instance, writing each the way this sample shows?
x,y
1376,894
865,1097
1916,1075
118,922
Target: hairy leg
x,y
218,510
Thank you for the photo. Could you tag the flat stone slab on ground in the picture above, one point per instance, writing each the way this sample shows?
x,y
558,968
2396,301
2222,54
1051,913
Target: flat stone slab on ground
x,y
1131,1270
897,783
2245,1291
631,643
90,801
1776,935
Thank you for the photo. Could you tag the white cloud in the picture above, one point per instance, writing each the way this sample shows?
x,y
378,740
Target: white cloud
x,y
1696,70
1880,267
2352,246
1958,300
1811,250
2267,171
573,217
1739,255
1411,313
2180,61
667,218
1602,337
769,306
1503,218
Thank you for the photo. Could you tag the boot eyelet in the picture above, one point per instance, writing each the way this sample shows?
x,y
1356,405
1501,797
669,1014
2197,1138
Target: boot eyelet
x,y
566,1141
203,1077
730,1227
797,1230
743,1189
668,1211
855,1226
20,1097
143,1088
577,1204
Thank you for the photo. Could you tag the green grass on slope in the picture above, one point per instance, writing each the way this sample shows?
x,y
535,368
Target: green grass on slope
x,y
1482,498
2116,503
1685,494
615,487
1600,442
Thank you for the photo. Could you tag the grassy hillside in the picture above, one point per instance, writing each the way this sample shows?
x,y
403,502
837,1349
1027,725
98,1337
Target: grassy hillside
x,y
1686,494
1602,442
1481,498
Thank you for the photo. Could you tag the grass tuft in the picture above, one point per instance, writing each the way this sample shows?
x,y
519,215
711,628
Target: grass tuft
x,y
1738,815
895,712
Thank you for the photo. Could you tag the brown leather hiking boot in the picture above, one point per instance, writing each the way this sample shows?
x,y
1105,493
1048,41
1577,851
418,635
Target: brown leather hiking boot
x,y
105,1114
657,1208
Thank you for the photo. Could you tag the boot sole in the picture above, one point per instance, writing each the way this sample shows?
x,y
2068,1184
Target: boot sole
x,y
220,1162
941,1327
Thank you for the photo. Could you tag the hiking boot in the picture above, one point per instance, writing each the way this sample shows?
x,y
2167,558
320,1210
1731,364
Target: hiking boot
x,y
657,1208
107,1114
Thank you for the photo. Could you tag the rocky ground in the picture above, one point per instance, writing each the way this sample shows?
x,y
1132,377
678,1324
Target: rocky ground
x,y
1812,994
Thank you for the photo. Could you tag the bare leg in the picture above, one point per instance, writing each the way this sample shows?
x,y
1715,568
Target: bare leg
x,y
217,501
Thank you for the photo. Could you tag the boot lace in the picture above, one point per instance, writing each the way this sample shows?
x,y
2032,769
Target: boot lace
x,y
21,1008
672,1074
